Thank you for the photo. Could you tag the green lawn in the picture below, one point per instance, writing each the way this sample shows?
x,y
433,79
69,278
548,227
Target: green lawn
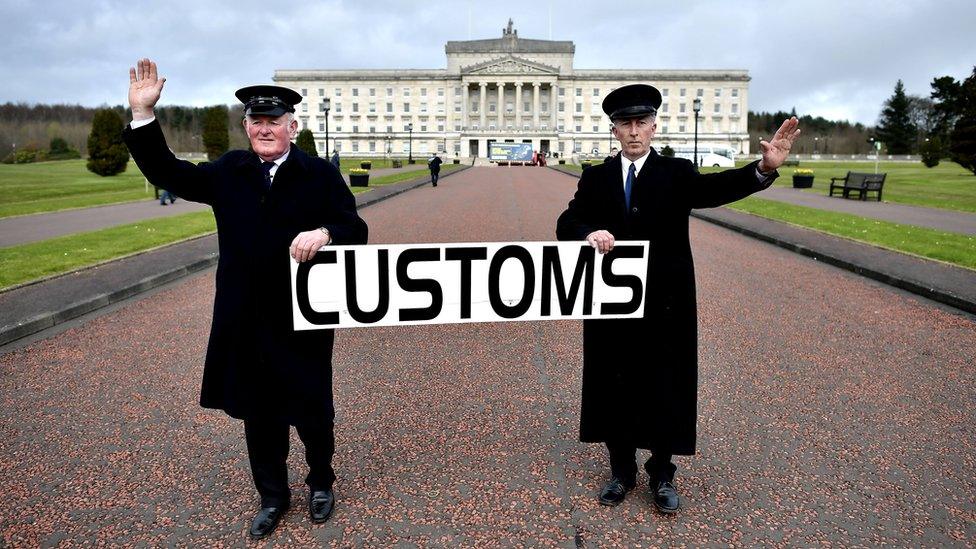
x,y
19,264
948,186
397,177
346,164
50,186
930,243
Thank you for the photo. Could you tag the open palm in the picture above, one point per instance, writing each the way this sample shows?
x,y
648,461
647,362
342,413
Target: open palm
x,y
145,87
775,151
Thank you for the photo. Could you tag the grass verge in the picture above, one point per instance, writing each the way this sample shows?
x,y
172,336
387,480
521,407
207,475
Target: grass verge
x,y
27,262
928,243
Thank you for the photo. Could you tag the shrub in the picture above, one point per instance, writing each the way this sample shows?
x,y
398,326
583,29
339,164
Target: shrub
x,y
306,142
667,151
803,171
60,150
358,171
931,151
215,138
107,154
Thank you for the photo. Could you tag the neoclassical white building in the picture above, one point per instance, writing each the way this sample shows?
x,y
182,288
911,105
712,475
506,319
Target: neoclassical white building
x,y
508,89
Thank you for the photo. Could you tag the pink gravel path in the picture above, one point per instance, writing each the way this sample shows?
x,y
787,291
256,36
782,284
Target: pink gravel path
x,y
834,411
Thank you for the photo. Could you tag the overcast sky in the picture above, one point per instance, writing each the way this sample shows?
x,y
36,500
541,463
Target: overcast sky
x,y
837,59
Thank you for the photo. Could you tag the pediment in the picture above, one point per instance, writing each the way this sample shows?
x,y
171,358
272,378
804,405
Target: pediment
x,y
509,65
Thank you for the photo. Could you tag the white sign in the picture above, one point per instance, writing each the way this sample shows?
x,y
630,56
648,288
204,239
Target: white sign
x,y
403,284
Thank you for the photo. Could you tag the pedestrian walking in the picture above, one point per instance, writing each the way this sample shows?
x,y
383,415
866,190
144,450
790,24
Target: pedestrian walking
x,y
434,164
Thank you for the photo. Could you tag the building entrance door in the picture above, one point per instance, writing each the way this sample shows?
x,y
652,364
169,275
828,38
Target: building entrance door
x,y
473,148
544,146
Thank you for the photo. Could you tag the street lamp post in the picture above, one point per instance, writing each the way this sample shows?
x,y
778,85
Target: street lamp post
x,y
696,106
410,142
326,105
816,145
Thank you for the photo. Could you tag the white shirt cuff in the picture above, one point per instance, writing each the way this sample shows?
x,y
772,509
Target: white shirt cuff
x,y
140,123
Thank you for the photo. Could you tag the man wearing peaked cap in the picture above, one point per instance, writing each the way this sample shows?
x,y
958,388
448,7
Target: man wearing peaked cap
x,y
640,376
273,200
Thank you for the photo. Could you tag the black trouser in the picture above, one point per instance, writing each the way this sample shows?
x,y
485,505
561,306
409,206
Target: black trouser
x,y
434,176
267,450
623,464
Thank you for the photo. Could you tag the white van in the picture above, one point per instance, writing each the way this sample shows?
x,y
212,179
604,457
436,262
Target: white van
x,y
718,157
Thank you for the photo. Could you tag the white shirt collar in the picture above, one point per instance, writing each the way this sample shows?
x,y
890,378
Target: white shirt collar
x,y
638,164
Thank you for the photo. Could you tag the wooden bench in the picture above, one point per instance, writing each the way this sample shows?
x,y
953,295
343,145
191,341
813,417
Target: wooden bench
x,y
862,183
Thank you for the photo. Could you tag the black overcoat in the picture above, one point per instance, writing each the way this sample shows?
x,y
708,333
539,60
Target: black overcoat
x,y
256,364
640,376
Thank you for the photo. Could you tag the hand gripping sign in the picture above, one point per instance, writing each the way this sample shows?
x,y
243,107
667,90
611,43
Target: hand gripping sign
x,y
403,284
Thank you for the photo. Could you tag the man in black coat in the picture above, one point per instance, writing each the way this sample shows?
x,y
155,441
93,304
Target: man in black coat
x,y
650,402
434,163
269,202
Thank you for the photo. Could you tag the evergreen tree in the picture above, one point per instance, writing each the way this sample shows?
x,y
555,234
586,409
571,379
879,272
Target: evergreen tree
x,y
945,109
306,142
667,151
963,147
895,128
107,154
931,151
215,138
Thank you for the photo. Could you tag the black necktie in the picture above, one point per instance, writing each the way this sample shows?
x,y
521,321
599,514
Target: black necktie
x,y
266,166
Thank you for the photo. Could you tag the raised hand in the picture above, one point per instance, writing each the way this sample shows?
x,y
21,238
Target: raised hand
x,y
775,151
145,87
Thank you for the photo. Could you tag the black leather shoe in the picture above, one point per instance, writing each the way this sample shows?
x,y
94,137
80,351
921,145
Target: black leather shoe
x,y
266,521
615,491
666,497
320,505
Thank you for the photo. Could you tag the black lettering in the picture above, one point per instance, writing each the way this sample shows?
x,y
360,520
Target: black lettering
x,y
428,285
466,256
301,289
363,317
494,275
552,269
622,281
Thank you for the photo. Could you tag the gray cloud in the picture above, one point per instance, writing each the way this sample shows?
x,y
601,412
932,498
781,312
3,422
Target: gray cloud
x,y
830,58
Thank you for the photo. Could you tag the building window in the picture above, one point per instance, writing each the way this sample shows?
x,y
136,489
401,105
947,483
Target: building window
x,y
681,128
355,129
321,92
423,92
322,145
596,92
596,129
474,106
440,92
304,92
440,127
457,90
491,107
423,128
718,108
372,107
338,128
664,128
681,107
355,107
321,126
735,92
664,92
406,92
389,92
525,126
406,107
701,92
389,129
562,146
544,106
734,128
457,127
526,106
579,107
579,92
562,106
579,129
338,92
664,107
355,92
577,146
372,146
718,92
372,129
304,107
338,107
562,128
509,107
457,107
681,92
423,107
735,108
389,107
562,92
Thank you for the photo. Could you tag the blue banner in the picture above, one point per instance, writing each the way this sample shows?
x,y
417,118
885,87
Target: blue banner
x,y
518,152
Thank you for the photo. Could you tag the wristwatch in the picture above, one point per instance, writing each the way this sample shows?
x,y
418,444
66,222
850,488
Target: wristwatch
x,y
326,233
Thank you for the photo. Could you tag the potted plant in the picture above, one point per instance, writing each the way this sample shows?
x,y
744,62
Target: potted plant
x,y
802,178
562,160
586,164
359,177
457,160
366,164
397,163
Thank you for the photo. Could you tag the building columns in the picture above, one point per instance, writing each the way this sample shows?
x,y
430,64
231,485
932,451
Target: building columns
x,y
500,109
535,105
464,105
518,106
483,103
552,107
